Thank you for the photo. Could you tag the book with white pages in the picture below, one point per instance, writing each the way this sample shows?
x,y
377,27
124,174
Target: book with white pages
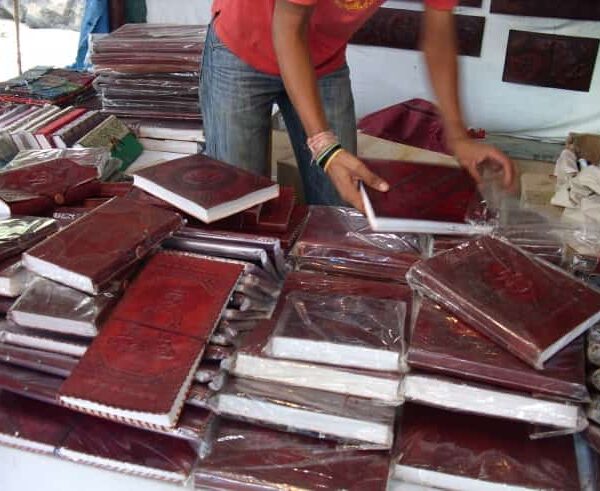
x,y
11,333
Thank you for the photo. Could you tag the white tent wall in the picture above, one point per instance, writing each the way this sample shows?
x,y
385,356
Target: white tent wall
x,y
383,76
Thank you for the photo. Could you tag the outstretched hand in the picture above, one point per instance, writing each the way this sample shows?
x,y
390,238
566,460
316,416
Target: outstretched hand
x,y
471,155
346,171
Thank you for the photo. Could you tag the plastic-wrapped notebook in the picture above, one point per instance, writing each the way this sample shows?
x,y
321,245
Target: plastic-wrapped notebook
x,y
43,361
205,188
340,240
249,457
95,249
141,365
34,338
250,361
422,198
13,277
50,306
441,343
340,330
308,411
441,449
18,234
528,307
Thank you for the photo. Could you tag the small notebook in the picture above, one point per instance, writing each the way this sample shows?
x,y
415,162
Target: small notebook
x,y
308,411
526,306
448,450
422,198
18,234
33,338
90,252
441,343
205,188
340,330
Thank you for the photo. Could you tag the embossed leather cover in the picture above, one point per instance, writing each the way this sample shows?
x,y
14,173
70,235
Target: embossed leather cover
x,y
526,306
441,343
452,444
207,184
61,180
19,234
249,457
102,243
144,358
340,240
421,192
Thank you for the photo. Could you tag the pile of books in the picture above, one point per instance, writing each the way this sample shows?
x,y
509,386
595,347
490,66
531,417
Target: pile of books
x,y
150,70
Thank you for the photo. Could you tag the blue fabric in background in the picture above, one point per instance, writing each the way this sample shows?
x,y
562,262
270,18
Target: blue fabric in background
x,y
95,21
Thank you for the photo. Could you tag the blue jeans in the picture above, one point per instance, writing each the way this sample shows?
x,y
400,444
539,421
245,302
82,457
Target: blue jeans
x,y
237,102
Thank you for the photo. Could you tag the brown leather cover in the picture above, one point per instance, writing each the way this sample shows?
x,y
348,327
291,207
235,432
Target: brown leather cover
x,y
521,303
24,203
29,383
276,213
112,189
61,180
422,192
20,233
107,240
156,335
573,9
246,456
486,449
441,343
205,181
550,60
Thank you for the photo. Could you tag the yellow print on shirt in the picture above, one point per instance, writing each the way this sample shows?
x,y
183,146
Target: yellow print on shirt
x,y
354,4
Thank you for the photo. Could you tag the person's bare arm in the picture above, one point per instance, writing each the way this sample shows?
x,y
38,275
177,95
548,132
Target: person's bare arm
x,y
440,50
290,39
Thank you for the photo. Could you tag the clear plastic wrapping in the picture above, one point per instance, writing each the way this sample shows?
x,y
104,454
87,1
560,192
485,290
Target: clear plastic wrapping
x,y
14,278
341,330
441,343
33,338
339,240
309,411
249,457
20,233
40,360
29,383
517,301
436,448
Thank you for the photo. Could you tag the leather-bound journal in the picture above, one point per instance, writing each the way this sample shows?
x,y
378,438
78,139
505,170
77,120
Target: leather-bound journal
x,y
205,188
140,367
61,181
448,450
422,198
527,306
95,249
248,457
441,343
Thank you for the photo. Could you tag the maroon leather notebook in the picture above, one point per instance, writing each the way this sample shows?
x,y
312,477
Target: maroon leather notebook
x,y
441,343
340,240
112,189
21,203
245,456
179,293
93,250
29,383
31,425
129,450
529,308
205,188
436,446
19,234
61,180
422,198
276,213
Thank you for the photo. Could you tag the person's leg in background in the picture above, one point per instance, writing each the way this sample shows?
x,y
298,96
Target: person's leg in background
x,y
338,102
236,103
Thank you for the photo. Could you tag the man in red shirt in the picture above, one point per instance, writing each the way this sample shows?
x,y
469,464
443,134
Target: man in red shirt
x,y
292,52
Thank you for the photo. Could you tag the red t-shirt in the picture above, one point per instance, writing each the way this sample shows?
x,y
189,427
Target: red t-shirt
x,y
244,26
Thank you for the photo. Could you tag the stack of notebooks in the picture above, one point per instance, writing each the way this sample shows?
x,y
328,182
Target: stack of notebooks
x,y
150,71
340,241
46,85
169,136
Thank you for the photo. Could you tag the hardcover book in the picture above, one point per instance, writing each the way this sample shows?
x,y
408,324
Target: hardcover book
x,y
32,338
95,249
340,330
447,450
19,234
43,361
276,213
70,133
61,181
13,277
44,134
153,341
302,410
246,456
509,296
441,343
205,188
50,306
421,199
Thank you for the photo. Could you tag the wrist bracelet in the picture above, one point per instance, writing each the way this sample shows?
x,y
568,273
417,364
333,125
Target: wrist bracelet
x,y
326,155
330,159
